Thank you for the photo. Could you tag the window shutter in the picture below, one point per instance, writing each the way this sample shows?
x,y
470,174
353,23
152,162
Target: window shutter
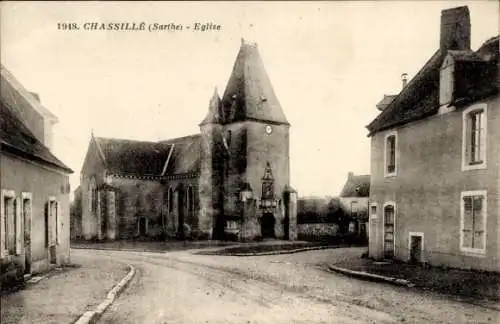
x,y
3,220
468,139
58,222
47,224
482,137
478,213
467,222
19,227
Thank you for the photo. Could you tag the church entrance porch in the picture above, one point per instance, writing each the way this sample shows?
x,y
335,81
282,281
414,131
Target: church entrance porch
x,y
267,223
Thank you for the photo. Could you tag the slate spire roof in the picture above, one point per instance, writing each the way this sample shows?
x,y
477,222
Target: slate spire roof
x,y
249,94
214,110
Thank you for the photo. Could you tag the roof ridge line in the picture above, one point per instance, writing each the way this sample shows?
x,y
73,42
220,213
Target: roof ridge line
x,y
412,81
99,148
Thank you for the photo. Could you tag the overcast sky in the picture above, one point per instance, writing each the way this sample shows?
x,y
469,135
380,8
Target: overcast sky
x,y
329,63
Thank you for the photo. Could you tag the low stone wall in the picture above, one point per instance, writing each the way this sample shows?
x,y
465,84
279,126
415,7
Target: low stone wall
x,y
317,231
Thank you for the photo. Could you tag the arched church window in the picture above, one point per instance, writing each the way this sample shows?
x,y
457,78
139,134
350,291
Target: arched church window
x,y
170,199
93,195
190,199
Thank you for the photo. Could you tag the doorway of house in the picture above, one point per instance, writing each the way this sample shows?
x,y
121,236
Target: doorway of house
x,y
389,232
416,242
267,225
142,226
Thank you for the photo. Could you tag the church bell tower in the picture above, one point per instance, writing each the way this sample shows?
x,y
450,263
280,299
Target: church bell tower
x,y
247,163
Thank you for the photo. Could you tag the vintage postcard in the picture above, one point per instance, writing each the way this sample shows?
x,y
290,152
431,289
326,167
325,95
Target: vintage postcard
x,y
249,162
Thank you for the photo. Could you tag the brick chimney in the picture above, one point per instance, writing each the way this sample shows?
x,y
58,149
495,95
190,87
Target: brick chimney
x,y
455,29
350,175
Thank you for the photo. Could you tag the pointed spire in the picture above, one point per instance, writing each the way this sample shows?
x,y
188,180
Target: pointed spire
x,y
213,116
249,93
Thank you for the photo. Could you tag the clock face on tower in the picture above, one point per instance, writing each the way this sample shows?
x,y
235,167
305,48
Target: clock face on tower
x,y
269,129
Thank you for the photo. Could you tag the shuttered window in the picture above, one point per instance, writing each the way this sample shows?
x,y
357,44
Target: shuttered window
x,y
473,236
52,223
10,224
10,228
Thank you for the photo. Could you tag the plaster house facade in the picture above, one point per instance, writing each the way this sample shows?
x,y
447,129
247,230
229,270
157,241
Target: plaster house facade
x,y
231,179
435,158
354,201
34,197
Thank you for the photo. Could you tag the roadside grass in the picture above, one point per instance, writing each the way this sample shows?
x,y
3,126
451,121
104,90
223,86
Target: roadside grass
x,y
451,281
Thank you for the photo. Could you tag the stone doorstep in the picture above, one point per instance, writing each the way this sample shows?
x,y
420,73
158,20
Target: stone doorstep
x,y
32,279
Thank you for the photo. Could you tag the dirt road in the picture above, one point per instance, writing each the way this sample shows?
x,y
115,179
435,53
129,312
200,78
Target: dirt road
x,y
180,287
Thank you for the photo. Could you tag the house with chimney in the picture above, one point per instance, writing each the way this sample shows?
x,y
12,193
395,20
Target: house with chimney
x,y
435,158
230,180
354,201
34,196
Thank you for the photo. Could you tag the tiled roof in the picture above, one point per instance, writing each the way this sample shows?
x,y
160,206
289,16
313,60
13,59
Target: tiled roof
x,y
417,100
249,93
131,157
420,98
146,158
356,186
185,155
16,95
16,138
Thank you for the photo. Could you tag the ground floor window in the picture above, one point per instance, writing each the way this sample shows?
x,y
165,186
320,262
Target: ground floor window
x,y
52,222
9,223
473,221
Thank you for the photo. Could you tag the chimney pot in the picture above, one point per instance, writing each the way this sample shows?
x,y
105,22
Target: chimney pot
x,y
404,78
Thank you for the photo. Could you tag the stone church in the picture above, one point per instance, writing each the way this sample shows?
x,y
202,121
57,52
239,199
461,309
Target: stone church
x,y
232,180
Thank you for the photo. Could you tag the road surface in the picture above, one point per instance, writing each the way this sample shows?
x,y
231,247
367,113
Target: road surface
x,y
181,287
